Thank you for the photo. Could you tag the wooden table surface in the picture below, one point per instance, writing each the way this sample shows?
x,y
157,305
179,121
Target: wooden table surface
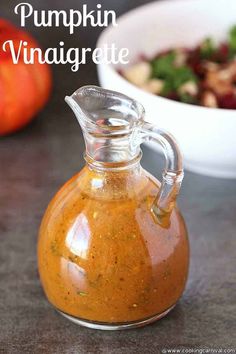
x,y
35,162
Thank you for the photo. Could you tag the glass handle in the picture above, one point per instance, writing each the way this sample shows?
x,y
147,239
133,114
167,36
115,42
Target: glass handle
x,y
172,175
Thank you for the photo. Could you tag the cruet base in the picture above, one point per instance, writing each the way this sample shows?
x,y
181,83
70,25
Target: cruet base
x,y
116,326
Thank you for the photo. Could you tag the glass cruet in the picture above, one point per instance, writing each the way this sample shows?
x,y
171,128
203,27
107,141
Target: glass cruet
x,y
113,249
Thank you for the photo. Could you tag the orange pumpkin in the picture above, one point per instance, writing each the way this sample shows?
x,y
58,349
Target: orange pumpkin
x,y
24,88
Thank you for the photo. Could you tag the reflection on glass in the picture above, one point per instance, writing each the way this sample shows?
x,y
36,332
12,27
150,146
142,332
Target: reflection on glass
x,y
77,239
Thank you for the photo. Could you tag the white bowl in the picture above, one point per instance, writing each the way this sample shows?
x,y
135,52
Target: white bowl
x,y
207,136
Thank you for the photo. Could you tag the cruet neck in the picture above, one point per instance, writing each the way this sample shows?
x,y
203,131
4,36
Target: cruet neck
x,y
109,121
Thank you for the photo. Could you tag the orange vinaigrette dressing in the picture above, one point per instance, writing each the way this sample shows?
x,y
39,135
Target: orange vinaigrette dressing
x,y
102,256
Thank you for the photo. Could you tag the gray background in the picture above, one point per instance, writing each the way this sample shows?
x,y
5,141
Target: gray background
x,y
35,162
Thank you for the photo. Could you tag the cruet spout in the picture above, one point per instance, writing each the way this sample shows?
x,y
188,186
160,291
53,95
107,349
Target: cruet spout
x,y
78,105
99,109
